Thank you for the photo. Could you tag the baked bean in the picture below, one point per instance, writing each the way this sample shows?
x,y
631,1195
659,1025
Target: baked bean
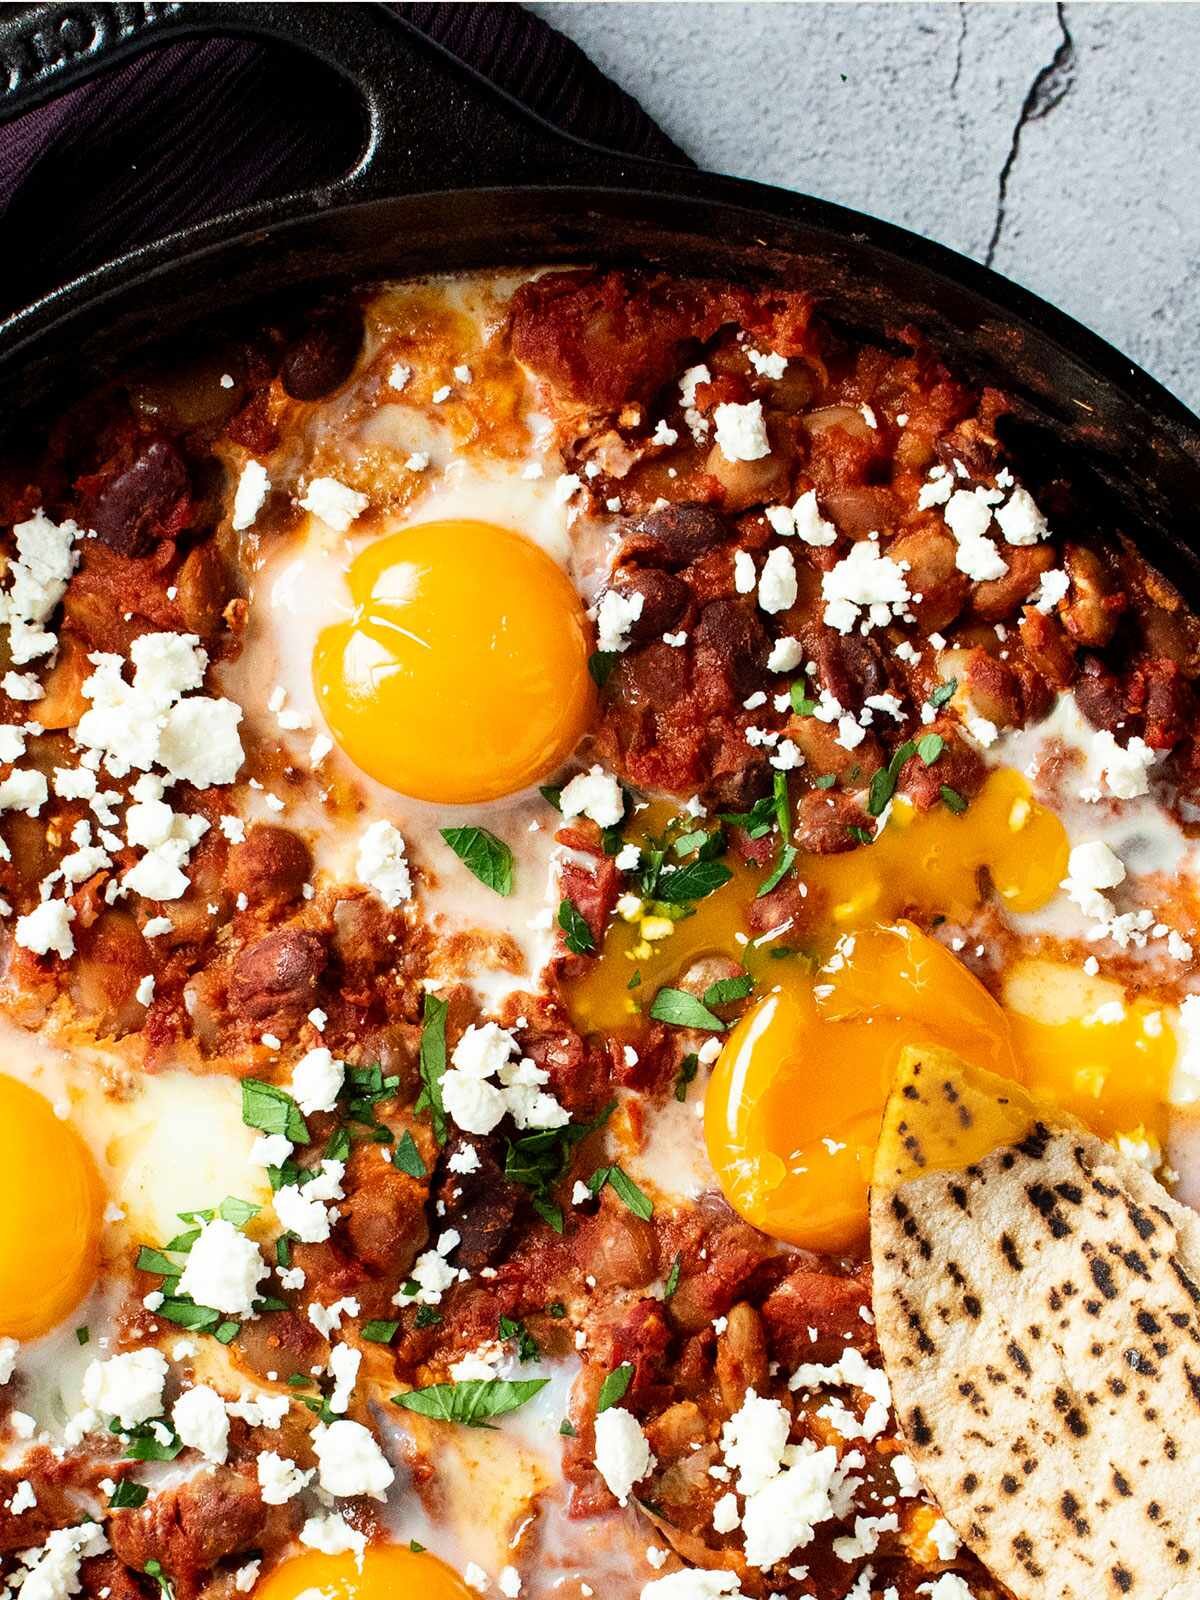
x,y
848,666
1001,598
749,483
278,974
741,1356
675,536
1048,648
824,819
1094,606
932,574
665,599
321,357
271,864
735,643
1100,695
140,503
202,590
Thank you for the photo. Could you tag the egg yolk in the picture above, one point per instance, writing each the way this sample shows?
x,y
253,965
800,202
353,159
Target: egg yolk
x,y
793,1108
931,862
50,1205
462,674
388,1572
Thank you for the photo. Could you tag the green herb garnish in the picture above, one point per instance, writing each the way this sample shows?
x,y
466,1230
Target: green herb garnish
x,y
482,853
473,1402
614,1386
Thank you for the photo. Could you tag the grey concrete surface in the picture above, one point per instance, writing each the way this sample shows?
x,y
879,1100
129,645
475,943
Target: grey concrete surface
x,y
1061,144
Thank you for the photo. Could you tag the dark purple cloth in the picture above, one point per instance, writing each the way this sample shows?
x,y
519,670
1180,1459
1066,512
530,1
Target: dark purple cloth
x,y
190,130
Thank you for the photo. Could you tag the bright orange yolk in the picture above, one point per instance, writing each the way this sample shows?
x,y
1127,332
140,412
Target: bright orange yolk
x,y
928,862
1106,1061
50,1205
389,1572
794,1105
462,674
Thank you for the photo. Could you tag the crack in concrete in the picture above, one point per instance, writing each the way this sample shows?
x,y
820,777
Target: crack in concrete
x,y
959,48
1048,90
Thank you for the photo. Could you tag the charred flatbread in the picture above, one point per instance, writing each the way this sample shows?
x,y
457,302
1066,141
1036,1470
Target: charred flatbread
x,y
1037,1300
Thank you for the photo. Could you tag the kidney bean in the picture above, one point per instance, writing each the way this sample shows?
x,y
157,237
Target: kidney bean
x,y
1100,695
321,357
1048,648
271,863
675,536
850,667
824,819
278,974
665,598
1094,607
141,502
730,639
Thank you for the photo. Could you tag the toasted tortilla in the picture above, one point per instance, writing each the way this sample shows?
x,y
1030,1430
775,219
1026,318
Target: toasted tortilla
x,y
1037,1301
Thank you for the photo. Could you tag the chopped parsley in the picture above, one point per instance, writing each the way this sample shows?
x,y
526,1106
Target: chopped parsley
x,y
672,1282
930,747
943,694
952,800
601,664
686,1075
407,1157
432,1065
482,853
696,881
624,1188
726,990
538,1160
883,783
614,1386
128,1496
426,1317
578,936
272,1110
527,1346
567,1428
683,1010
473,1402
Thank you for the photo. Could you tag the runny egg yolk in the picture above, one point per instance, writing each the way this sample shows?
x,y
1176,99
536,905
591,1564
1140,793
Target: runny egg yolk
x,y
929,862
462,674
794,1105
388,1572
50,1206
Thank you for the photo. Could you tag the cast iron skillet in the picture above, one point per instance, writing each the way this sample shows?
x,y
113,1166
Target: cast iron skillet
x,y
454,174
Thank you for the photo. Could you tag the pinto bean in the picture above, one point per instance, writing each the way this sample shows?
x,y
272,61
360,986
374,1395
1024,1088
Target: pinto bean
x,y
741,1356
481,1205
1094,606
140,503
993,688
824,819
930,554
665,598
278,975
321,357
203,589
617,1247
959,767
1049,649
749,483
850,667
1100,695
733,643
383,1216
675,536
817,742
674,1432
863,510
1001,598
190,1527
271,864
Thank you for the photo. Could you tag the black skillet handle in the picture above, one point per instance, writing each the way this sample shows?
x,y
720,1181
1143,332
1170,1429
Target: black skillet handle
x,y
430,121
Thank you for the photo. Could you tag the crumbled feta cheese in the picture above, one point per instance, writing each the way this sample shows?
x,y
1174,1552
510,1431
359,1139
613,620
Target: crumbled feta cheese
x,y
350,1461
246,1576
968,516
1053,587
381,864
616,613
328,1319
344,1363
317,1080
768,365
754,1441
1091,868
47,927
786,655
279,1479
623,1455
303,1211
223,1269
334,503
1020,521
782,1516
692,1583
127,1387
1124,768
949,1586
25,791
864,582
982,731
742,431
595,794
253,487
777,587
944,1540
53,1570
201,1421
744,573
465,1160
398,376
330,1533
803,521
144,993
8,1358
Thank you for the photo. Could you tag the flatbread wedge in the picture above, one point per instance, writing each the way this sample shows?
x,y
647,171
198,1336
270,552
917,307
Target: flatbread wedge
x,y
1037,1300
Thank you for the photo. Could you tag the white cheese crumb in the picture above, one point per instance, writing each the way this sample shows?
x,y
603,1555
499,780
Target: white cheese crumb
x,y
623,1455
201,1421
127,1387
334,503
777,586
252,489
616,613
317,1080
223,1270
595,794
742,431
350,1461
381,865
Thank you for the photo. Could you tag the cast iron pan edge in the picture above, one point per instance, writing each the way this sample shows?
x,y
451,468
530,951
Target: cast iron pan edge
x,y
453,174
